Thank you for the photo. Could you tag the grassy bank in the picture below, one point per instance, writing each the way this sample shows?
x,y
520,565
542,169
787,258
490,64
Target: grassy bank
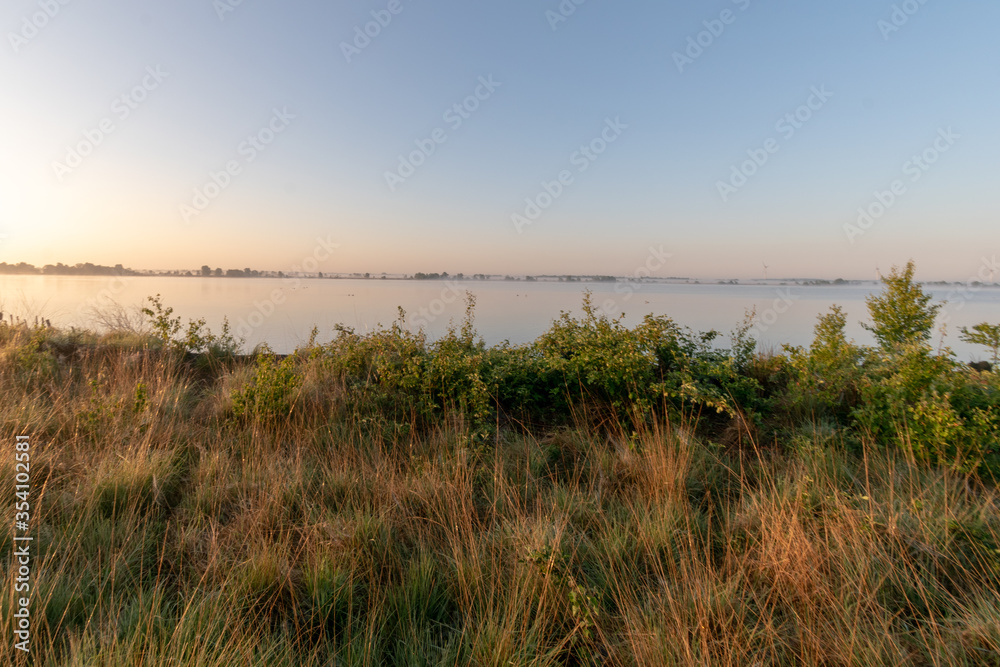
x,y
606,495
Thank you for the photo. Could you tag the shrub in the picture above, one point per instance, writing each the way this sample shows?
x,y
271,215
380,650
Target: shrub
x,y
453,376
34,359
396,378
987,335
198,338
635,370
935,408
937,433
270,393
598,358
828,373
902,313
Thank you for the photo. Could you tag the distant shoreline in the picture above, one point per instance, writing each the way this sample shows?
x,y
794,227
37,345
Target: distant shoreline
x,y
93,270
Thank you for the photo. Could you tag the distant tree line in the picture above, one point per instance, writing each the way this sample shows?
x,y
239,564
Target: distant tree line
x,y
483,276
60,269
838,281
437,276
89,269
207,271
579,279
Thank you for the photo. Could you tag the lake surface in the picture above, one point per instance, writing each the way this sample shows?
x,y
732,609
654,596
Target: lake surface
x,y
282,312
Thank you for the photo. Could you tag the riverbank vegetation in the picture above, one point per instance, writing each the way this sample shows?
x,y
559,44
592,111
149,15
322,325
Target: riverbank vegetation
x,y
643,495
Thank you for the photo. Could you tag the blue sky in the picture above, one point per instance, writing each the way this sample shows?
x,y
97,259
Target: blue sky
x,y
888,95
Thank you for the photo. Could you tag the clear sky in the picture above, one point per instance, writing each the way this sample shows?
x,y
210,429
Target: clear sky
x,y
671,100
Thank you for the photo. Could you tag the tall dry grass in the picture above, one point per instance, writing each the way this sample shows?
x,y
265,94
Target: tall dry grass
x,y
169,532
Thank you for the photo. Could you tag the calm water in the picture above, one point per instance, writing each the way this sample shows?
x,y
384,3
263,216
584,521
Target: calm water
x,y
282,312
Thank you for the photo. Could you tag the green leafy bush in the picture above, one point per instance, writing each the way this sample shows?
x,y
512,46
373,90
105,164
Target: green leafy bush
x,y
197,338
270,393
827,375
655,363
932,406
393,380
902,314
987,335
